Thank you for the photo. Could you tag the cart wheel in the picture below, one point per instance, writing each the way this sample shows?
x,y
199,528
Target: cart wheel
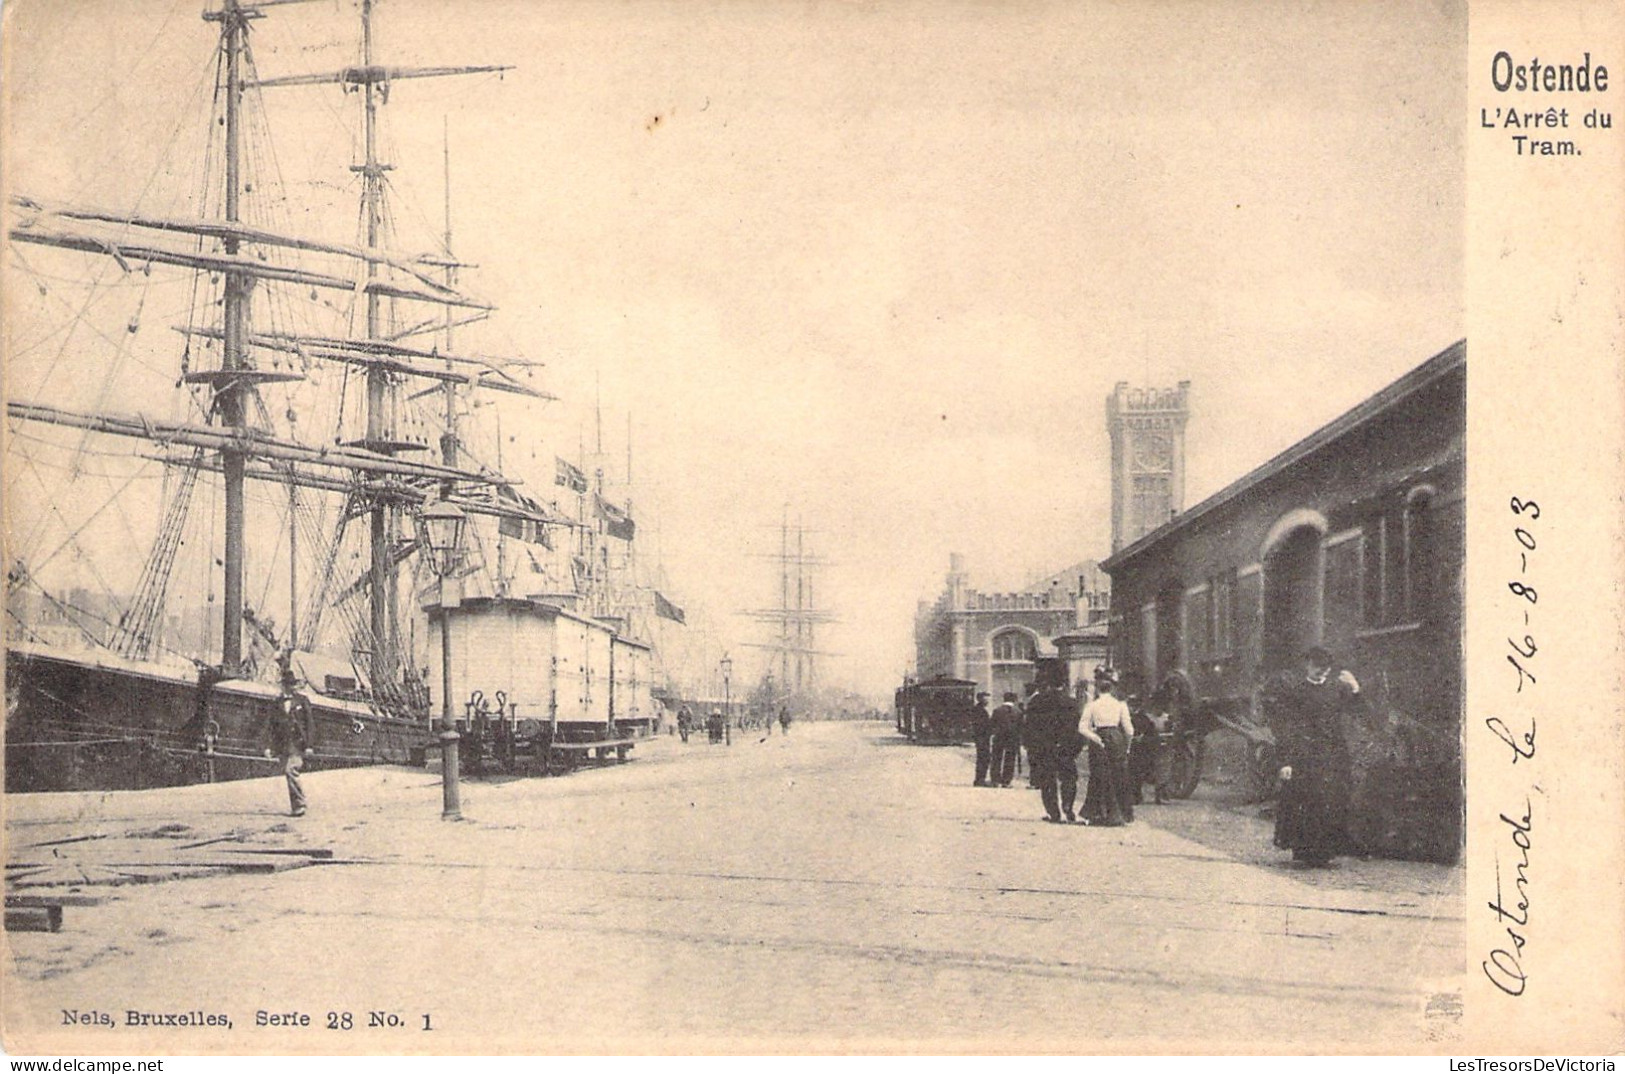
x,y
1177,699
1197,747
1184,768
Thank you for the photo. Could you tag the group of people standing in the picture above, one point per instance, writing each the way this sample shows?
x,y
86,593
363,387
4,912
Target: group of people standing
x,y
715,726
1307,713
998,741
1055,732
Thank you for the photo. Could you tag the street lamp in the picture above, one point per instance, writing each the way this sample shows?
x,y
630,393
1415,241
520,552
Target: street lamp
x,y
727,666
443,524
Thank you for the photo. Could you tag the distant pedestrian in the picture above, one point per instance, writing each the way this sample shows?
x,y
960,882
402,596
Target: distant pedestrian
x,y
784,719
1006,741
1053,743
1308,718
685,722
1108,728
292,733
715,726
981,729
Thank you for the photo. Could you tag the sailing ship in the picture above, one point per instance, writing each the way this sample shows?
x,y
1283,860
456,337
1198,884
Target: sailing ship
x,y
281,334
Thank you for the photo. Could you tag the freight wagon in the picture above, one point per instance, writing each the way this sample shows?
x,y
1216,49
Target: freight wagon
x,y
536,685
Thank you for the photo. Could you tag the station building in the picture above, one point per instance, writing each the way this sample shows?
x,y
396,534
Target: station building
x,y
1351,539
995,639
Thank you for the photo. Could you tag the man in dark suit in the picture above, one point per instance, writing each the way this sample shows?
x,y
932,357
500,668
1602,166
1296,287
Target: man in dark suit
x,y
1053,742
293,733
981,729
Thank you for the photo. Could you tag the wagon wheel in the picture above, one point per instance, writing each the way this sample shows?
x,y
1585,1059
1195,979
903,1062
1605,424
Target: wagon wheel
x,y
1176,698
1187,767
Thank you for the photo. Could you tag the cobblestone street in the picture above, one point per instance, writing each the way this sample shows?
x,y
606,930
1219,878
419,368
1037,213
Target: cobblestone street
x,y
834,888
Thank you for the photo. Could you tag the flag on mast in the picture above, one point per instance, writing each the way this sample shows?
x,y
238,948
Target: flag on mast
x,y
617,523
570,476
525,529
667,610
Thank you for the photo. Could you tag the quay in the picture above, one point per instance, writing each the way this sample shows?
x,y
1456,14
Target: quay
x,y
833,888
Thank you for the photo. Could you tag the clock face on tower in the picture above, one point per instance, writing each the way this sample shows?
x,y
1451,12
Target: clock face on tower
x,y
1154,452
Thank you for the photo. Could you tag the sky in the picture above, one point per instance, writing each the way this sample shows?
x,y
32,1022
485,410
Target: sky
x,y
872,267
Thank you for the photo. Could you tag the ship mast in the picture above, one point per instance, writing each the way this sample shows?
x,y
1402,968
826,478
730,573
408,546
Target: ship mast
x,y
381,435
228,391
378,389
797,616
241,262
448,442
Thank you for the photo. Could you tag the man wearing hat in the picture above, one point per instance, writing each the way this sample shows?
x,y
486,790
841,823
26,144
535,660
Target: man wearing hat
x,y
293,732
1052,742
981,729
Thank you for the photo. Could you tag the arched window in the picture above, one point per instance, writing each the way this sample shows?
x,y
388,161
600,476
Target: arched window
x,y
1013,646
1419,554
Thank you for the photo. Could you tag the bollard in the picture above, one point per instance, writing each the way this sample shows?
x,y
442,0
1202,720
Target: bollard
x,y
452,801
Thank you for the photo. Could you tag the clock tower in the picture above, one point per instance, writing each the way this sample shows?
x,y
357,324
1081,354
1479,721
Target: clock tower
x,y
1147,427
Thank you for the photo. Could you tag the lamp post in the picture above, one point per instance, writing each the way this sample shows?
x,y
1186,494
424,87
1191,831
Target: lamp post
x,y
443,523
727,666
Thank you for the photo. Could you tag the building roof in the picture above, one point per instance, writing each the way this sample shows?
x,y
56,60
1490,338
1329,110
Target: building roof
x,y
1434,369
1068,579
542,609
1091,632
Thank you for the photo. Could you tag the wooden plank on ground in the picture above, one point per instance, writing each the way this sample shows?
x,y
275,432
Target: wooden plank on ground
x,y
24,872
101,875
210,842
66,898
34,919
67,840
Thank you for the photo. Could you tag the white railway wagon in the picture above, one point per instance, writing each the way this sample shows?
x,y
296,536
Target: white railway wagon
x,y
548,664
632,698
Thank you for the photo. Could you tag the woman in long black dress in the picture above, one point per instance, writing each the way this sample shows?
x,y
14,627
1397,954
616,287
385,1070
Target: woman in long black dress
x,y
1311,819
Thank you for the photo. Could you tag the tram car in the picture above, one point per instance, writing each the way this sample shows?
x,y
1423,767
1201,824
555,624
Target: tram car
x,y
538,687
936,711
1351,540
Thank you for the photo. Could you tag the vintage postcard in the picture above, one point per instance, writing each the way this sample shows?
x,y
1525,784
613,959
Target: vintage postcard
x,y
772,527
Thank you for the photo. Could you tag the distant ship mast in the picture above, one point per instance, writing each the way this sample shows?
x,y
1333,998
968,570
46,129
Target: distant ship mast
x,y
797,617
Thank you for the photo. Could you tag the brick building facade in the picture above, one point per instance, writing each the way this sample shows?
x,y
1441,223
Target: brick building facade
x,y
1351,539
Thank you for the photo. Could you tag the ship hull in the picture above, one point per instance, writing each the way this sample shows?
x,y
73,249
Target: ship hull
x,y
76,722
